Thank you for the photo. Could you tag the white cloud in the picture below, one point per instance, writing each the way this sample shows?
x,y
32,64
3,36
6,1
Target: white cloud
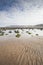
x,y
13,17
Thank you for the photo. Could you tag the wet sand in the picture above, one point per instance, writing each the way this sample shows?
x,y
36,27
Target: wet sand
x,y
21,51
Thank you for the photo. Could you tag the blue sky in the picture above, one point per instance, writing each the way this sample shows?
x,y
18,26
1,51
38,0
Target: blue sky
x,y
21,12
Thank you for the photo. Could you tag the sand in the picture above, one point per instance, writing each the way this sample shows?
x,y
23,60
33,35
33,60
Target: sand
x,y
21,51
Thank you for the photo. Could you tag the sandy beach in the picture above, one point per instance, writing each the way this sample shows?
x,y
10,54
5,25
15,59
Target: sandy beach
x,y
21,51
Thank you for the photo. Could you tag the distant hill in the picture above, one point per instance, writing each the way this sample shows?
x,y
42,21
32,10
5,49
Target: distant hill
x,y
39,26
20,26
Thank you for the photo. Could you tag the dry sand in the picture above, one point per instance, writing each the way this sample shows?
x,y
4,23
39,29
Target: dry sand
x,y
21,51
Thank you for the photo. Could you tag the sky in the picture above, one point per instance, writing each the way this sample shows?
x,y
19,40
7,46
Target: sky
x,y
21,12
